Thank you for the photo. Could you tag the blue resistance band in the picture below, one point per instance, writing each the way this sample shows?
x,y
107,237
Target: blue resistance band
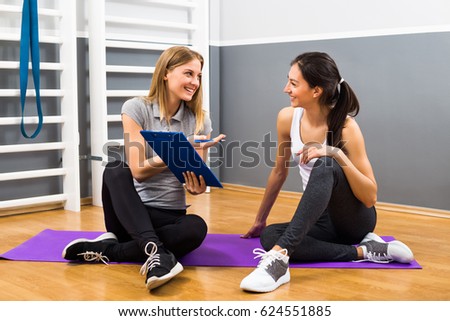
x,y
30,40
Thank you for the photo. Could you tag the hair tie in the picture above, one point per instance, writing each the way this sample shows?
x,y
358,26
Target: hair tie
x,y
338,87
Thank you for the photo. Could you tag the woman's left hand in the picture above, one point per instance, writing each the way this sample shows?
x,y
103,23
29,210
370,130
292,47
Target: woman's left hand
x,y
316,150
193,184
202,142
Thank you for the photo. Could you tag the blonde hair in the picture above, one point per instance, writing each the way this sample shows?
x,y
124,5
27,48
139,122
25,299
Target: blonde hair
x,y
169,60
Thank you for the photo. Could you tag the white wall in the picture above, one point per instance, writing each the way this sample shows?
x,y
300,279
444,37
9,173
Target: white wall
x,y
214,21
266,21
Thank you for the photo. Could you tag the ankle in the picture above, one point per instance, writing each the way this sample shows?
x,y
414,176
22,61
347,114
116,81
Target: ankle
x,y
361,252
277,248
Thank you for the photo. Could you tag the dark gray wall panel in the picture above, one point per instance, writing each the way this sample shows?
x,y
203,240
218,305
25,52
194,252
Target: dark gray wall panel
x,y
216,153
402,83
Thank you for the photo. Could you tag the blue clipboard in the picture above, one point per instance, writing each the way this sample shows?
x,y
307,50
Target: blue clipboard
x,y
179,155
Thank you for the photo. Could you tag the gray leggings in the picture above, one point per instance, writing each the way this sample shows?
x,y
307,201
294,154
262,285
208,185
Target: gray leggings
x,y
328,221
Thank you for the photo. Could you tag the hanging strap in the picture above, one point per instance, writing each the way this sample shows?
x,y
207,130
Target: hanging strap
x,y
30,41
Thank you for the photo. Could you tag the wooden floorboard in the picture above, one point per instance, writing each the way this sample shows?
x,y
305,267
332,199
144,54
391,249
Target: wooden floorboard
x,y
226,211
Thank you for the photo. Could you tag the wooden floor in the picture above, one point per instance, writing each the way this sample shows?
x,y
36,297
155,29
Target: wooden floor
x,y
226,211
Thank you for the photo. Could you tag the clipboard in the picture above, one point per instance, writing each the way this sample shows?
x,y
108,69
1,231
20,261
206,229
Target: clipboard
x,y
179,155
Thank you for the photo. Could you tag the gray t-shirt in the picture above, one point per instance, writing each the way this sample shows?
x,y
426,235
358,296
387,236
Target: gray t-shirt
x,y
162,190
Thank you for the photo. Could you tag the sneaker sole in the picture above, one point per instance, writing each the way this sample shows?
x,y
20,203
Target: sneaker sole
x,y
104,236
155,282
282,280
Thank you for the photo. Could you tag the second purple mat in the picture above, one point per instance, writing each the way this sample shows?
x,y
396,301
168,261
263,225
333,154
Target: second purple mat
x,y
231,250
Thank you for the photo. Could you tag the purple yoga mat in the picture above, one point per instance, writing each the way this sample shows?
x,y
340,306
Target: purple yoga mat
x,y
217,250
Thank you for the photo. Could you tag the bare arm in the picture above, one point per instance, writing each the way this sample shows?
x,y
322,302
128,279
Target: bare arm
x,y
355,164
278,174
141,168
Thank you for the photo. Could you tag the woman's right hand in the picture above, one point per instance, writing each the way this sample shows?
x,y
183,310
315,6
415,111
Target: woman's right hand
x,y
255,230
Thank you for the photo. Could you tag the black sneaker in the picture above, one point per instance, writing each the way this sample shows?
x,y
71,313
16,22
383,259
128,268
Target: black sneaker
x,y
86,250
161,266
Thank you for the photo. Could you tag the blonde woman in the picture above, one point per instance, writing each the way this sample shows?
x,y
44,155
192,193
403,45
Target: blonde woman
x,y
144,203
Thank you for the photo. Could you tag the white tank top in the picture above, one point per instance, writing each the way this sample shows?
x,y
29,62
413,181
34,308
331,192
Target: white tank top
x,y
297,145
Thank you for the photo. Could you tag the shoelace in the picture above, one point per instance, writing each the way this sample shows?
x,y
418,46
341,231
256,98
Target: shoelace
x,y
376,252
267,258
90,256
153,258
377,257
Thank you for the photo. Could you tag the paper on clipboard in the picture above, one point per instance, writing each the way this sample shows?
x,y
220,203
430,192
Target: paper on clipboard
x,y
179,155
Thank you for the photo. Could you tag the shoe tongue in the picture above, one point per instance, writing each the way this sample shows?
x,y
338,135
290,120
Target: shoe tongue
x,y
278,254
162,250
270,256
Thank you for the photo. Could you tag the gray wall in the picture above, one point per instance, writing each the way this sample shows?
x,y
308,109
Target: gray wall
x,y
402,82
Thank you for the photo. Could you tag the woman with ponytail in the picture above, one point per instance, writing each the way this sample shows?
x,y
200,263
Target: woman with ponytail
x,y
336,210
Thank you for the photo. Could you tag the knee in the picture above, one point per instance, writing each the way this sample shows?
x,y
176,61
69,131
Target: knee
x,y
326,164
197,230
189,236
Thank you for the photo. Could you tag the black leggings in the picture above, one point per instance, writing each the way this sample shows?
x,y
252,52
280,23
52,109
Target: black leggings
x,y
328,221
136,224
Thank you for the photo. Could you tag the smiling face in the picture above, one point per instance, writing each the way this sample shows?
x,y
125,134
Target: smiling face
x,y
299,91
183,81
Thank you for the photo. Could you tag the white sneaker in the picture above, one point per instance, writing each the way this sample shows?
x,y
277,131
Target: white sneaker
x,y
272,271
372,237
379,251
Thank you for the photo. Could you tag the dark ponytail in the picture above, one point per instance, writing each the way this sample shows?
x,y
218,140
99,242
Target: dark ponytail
x,y
319,69
346,104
